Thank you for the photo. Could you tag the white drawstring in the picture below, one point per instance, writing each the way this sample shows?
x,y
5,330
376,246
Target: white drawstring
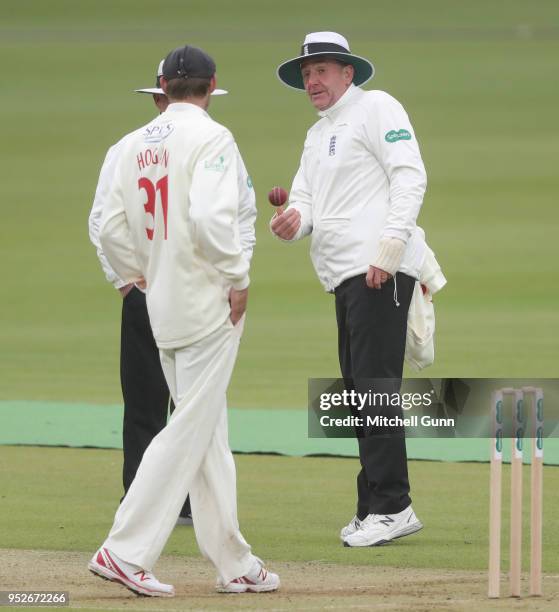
x,y
396,292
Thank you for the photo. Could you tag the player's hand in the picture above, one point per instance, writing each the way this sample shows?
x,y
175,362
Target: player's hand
x,y
287,224
141,283
376,277
238,303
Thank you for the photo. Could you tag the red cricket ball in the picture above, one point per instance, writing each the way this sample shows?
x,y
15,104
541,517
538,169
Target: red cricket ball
x,y
277,196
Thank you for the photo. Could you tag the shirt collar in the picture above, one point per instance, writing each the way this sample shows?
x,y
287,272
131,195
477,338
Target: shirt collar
x,y
351,92
179,107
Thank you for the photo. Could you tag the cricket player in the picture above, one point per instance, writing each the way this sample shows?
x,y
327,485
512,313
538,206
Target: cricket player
x,y
171,225
357,193
144,389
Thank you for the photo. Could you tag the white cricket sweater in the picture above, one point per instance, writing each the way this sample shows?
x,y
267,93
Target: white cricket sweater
x,y
361,178
247,208
172,217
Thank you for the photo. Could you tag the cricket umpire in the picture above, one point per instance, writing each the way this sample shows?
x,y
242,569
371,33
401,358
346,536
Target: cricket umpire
x,y
144,390
357,193
171,224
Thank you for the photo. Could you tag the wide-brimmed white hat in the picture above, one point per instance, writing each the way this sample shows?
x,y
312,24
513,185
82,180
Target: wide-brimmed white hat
x,y
331,44
157,89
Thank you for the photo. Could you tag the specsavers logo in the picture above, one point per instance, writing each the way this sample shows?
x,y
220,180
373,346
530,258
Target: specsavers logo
x,y
394,136
216,166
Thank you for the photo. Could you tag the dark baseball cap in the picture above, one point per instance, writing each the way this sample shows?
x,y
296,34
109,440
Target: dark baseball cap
x,y
187,61
157,89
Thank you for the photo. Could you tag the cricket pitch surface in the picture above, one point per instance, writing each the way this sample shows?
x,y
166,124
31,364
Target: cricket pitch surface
x,y
305,586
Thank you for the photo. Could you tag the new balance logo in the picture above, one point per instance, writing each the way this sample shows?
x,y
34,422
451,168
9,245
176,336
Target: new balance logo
x,y
387,520
142,575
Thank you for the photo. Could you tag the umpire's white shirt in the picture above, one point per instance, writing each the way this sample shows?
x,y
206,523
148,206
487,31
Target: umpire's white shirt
x,y
247,208
172,217
361,178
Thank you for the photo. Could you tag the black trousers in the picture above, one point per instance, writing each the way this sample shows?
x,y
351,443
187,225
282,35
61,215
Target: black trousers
x,y
144,389
371,345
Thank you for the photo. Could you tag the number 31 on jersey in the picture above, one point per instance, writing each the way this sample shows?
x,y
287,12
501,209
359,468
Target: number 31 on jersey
x,y
151,190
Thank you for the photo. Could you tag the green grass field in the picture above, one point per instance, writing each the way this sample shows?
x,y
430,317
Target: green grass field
x,y
290,508
479,81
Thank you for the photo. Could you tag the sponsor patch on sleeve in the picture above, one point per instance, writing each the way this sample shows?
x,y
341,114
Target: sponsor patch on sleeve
x,y
216,166
394,136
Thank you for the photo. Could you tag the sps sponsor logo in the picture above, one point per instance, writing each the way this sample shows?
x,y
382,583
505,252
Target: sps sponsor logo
x,y
157,133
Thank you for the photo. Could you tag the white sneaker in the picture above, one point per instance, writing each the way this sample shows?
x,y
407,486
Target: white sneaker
x,y
377,529
107,565
257,580
353,526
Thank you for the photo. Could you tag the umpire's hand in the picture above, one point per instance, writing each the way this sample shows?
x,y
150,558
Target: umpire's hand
x,y
286,224
238,302
376,277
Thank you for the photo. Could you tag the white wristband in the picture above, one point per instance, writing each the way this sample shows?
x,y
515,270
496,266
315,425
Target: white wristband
x,y
390,254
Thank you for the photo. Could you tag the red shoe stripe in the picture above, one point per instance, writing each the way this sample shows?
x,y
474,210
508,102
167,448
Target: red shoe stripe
x,y
115,567
243,580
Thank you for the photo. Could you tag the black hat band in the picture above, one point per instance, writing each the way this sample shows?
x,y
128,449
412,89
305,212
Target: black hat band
x,y
323,47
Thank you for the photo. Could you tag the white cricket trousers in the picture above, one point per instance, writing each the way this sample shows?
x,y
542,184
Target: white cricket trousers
x,y
190,455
